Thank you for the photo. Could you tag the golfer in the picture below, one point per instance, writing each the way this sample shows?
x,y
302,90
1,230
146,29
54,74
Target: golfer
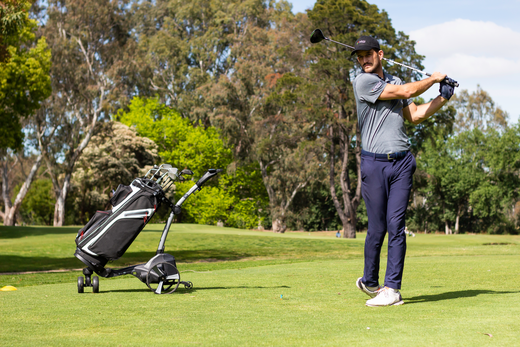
x,y
387,166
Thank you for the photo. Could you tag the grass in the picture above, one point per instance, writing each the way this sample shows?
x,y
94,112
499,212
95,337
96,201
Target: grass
x,y
261,289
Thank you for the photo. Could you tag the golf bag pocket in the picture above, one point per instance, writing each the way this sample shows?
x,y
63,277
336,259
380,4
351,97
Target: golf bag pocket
x,y
123,227
93,224
120,194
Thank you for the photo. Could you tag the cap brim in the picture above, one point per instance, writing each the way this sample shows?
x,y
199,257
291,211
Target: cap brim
x,y
364,48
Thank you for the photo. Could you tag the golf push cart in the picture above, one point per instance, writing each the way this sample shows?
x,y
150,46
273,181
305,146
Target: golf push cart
x,y
108,234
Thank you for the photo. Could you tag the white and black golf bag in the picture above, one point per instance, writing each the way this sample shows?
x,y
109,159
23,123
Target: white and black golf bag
x,y
108,234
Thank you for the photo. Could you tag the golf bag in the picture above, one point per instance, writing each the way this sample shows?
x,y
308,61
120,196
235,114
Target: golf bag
x,y
108,234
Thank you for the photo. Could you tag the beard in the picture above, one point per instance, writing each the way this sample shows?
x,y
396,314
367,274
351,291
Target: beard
x,y
371,68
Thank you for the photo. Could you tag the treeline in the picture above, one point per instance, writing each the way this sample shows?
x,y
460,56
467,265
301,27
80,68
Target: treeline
x,y
236,85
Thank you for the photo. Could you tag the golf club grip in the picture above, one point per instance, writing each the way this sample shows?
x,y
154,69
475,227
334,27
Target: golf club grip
x,y
453,83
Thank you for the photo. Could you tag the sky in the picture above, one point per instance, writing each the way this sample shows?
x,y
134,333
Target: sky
x,y
475,42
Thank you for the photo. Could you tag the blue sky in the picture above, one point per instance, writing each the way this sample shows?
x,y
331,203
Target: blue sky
x,y
474,42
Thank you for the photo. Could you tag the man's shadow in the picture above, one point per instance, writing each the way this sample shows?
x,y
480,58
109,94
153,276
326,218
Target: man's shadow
x,y
454,295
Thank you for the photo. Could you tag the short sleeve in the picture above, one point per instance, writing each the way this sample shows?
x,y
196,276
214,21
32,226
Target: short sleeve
x,y
369,87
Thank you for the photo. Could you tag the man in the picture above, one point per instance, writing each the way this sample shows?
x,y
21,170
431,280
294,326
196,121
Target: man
x,y
387,166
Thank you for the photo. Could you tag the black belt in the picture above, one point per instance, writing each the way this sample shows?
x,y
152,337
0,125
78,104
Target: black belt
x,y
388,156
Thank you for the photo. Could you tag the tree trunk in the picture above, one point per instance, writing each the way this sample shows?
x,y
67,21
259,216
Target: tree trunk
x,y
447,229
457,219
279,226
10,216
59,207
278,211
348,212
5,193
350,231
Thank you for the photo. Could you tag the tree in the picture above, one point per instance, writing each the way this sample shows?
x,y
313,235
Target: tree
x,y
258,105
493,202
185,44
37,208
472,180
89,41
115,155
477,110
332,70
24,84
454,170
184,146
24,74
13,18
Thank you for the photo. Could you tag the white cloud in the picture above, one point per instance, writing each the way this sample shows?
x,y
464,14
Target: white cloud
x,y
467,66
474,52
476,38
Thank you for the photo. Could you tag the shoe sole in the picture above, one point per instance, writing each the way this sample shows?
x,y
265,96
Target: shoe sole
x,y
359,284
394,304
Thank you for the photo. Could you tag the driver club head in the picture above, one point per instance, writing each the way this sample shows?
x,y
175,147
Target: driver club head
x,y
317,36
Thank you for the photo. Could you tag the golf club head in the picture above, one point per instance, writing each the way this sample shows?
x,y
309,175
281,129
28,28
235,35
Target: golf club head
x,y
172,173
317,36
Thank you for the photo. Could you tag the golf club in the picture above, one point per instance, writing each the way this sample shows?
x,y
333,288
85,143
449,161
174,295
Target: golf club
x,y
317,36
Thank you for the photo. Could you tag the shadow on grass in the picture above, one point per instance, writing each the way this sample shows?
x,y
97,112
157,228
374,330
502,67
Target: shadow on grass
x,y
19,232
15,263
181,290
454,295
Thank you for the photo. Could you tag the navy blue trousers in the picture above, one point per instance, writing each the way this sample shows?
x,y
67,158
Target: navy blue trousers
x,y
386,187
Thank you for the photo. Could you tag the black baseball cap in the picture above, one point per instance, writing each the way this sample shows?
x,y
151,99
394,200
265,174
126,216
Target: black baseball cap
x,y
366,43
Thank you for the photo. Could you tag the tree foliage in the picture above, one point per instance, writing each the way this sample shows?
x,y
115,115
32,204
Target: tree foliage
x,y
233,84
90,41
24,71
331,75
186,146
477,110
115,155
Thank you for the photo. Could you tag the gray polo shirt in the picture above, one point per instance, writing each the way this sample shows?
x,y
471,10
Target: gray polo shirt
x,y
381,121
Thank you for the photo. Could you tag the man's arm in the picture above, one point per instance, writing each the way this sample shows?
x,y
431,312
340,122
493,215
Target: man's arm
x,y
417,114
410,90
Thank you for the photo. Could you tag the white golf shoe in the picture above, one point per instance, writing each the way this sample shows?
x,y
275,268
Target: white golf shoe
x,y
370,291
386,297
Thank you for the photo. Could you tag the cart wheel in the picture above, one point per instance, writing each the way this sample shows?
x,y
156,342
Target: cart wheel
x,y
95,284
163,278
80,284
188,285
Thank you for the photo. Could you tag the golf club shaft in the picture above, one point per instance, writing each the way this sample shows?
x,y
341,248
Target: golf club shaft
x,y
388,60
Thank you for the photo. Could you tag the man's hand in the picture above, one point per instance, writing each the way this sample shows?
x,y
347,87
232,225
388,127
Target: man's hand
x,y
438,77
446,90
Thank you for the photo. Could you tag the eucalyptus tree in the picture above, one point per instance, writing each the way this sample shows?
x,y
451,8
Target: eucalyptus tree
x,y
260,108
185,44
332,73
477,110
24,84
90,41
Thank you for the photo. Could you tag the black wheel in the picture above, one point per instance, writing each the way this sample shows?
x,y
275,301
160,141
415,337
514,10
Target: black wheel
x,y
95,284
188,285
163,278
80,284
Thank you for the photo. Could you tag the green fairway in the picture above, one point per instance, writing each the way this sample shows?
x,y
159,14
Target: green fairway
x,y
258,288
